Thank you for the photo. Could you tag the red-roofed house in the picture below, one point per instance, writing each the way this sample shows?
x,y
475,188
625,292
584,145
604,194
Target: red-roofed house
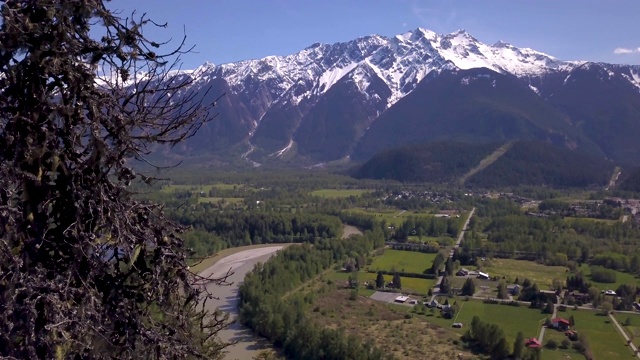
x,y
560,324
532,343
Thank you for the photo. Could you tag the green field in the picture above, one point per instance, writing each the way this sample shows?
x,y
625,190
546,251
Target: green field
x,y
337,193
404,261
633,329
414,285
203,188
621,279
510,319
538,273
215,200
606,342
393,216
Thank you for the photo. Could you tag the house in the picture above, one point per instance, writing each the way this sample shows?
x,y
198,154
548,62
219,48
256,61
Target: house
x,y
560,324
532,343
483,275
402,299
463,272
433,304
577,296
549,295
513,289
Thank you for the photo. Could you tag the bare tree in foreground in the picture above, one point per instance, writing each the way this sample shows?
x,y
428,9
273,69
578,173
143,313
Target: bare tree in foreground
x,y
85,270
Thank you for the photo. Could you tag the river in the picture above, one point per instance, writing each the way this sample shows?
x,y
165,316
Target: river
x,y
249,345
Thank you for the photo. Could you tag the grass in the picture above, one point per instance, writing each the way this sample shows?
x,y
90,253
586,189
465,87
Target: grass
x,y
511,319
621,279
338,193
393,216
215,200
414,285
384,325
537,273
202,188
404,261
605,341
633,329
208,262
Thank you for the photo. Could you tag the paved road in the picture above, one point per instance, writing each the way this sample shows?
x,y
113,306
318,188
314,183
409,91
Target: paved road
x,y
624,334
249,345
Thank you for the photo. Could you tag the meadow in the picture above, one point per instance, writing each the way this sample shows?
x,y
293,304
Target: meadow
x,y
621,279
511,319
511,269
606,342
403,261
409,285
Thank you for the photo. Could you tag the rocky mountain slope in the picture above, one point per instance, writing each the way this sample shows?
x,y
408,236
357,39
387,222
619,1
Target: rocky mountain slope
x,y
350,100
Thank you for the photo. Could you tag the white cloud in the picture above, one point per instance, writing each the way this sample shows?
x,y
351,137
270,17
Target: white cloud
x,y
623,51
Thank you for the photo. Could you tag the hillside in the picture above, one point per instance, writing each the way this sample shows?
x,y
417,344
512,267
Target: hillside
x,y
432,162
534,163
631,181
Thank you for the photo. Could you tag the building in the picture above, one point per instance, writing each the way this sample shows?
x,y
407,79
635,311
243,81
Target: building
x,y
462,272
402,299
560,324
483,275
532,343
513,289
433,304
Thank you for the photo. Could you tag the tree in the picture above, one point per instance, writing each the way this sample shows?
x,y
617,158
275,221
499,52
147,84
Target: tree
x,y
502,290
605,308
380,280
397,281
86,270
518,346
448,266
437,264
548,309
445,287
469,287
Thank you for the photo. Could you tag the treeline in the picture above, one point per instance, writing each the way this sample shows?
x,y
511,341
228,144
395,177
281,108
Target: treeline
x,y
431,162
555,241
238,228
536,163
283,321
487,338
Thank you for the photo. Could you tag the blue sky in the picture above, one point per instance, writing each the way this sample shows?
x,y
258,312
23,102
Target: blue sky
x,y
231,30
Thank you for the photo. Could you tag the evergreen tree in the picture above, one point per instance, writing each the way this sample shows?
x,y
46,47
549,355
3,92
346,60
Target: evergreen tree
x,y
397,282
469,287
518,346
380,280
502,290
87,271
445,287
448,266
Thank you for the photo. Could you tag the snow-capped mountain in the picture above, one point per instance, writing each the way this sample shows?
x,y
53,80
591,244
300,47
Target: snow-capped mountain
x,y
320,103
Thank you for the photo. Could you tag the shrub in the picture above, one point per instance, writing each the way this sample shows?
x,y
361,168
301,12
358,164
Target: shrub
x,y
551,344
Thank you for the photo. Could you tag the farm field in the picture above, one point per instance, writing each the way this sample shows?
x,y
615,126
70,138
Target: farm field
x,y
606,342
538,273
403,261
337,193
414,285
393,216
558,354
511,319
621,279
215,200
205,187
633,329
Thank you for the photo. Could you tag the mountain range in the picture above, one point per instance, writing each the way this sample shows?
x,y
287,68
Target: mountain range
x,y
347,101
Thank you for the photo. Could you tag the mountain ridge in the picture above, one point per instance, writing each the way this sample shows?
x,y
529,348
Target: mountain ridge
x,y
301,105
